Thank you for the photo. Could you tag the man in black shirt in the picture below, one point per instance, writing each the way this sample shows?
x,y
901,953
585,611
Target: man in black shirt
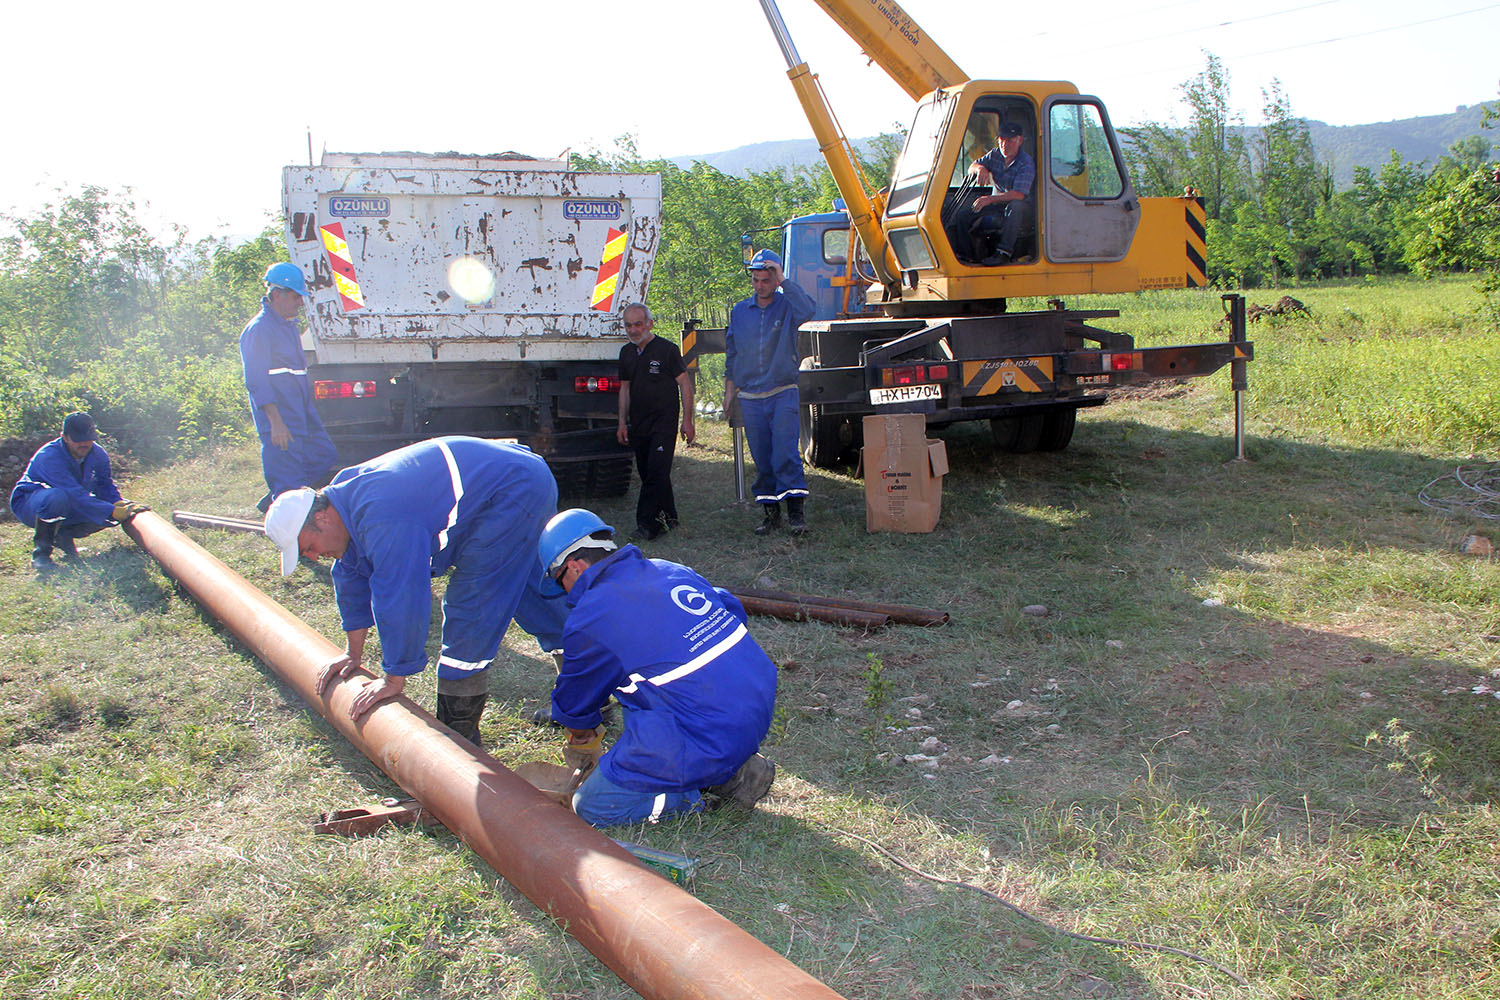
x,y
651,378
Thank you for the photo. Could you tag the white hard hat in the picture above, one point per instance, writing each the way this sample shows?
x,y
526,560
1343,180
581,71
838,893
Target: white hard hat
x,y
284,523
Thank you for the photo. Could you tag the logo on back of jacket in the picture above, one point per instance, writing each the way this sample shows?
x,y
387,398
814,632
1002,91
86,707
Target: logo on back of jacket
x,y
691,600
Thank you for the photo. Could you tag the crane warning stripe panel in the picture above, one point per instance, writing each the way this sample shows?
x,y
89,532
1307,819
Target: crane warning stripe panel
x,y
1197,244
984,378
609,270
342,264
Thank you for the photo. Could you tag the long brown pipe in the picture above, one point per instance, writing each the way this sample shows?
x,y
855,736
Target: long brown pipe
x,y
792,611
896,612
661,941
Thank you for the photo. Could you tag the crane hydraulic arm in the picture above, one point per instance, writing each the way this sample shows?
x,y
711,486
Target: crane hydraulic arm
x,y
864,208
896,44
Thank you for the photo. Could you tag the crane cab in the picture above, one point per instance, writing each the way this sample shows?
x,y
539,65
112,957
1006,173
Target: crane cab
x,y
1084,228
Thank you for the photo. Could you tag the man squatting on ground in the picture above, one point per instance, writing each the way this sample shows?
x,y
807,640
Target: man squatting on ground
x,y
674,650
295,450
760,370
474,507
67,492
652,376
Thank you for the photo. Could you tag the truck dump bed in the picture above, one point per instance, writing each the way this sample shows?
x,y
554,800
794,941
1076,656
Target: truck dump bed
x,y
415,257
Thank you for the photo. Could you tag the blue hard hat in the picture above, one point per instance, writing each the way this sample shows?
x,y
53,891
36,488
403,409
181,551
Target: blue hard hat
x,y
562,535
287,275
764,259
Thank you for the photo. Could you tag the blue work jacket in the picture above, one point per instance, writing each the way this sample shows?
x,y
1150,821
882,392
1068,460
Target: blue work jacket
x,y
674,650
409,514
760,343
276,372
89,483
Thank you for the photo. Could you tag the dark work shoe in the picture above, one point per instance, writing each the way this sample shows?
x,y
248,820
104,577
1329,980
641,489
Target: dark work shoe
x,y
642,533
772,519
264,503
750,784
42,564
995,259
796,521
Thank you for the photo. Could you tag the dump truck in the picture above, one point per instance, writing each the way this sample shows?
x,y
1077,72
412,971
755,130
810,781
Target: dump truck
x,y
475,295
908,322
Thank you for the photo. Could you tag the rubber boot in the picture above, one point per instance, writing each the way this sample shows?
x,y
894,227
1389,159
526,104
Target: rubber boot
x,y
772,519
41,546
795,521
63,539
461,713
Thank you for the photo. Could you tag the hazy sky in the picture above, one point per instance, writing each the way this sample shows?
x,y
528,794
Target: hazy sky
x,y
196,106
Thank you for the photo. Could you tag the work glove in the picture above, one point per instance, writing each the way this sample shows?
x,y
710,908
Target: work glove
x,y
126,509
582,752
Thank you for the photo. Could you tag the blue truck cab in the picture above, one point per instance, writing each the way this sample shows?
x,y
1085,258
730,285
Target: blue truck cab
x,y
815,250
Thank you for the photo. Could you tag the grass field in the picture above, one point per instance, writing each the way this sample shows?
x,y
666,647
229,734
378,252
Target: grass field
x,y
1247,727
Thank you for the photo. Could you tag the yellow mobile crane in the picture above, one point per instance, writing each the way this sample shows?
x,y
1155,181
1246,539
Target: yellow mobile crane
x,y
936,337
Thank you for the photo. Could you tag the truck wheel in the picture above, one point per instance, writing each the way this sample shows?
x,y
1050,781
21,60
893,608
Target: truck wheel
x,y
1019,434
828,440
608,477
1057,429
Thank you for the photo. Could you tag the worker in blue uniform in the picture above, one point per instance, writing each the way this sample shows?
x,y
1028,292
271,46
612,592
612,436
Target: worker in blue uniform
x,y
68,491
295,450
674,651
472,507
761,361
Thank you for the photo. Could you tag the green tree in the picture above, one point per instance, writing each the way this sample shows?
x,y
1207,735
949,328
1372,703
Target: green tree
x,y
80,276
1208,154
1289,187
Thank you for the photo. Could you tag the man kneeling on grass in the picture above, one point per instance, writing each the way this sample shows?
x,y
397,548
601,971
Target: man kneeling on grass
x,y
673,649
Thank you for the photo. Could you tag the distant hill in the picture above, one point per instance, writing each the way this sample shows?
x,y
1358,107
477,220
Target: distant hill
x,y
1344,147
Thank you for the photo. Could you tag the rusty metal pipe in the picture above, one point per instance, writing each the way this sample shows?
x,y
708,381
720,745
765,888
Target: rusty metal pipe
x,y
897,612
771,603
192,520
661,941
792,611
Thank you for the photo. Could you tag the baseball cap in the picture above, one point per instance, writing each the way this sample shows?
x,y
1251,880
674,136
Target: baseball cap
x,y
284,522
764,259
1010,130
79,427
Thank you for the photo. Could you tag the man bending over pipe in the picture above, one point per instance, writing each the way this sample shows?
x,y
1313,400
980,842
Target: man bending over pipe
x,y
673,649
462,504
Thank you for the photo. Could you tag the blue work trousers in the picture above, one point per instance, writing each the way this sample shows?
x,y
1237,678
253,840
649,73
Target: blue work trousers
x,y
772,430
308,461
601,802
495,578
54,506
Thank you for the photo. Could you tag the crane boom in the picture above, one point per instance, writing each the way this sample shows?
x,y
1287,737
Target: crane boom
x,y
864,209
897,44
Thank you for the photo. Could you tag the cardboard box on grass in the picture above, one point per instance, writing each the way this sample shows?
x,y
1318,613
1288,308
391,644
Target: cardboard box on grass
x,y
903,470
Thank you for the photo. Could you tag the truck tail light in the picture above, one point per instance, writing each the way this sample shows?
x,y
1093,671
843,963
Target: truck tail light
x,y
908,375
914,374
596,383
1124,362
344,390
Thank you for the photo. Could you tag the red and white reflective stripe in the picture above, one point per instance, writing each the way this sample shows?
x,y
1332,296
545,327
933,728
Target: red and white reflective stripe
x,y
342,263
609,270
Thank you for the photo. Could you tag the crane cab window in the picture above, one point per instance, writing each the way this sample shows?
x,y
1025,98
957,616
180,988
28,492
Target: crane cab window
x,y
1082,161
982,131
